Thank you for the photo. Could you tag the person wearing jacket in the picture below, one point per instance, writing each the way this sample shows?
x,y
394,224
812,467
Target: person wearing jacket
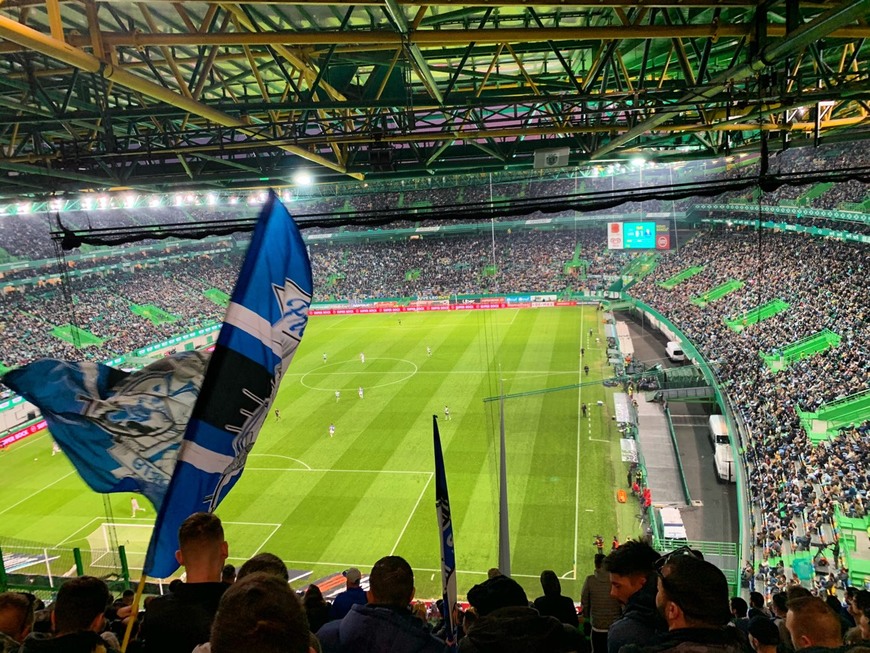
x,y
77,619
384,624
692,596
633,584
552,603
599,608
506,624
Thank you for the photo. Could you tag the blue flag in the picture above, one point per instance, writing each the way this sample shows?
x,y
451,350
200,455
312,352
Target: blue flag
x,y
179,430
264,323
448,554
121,431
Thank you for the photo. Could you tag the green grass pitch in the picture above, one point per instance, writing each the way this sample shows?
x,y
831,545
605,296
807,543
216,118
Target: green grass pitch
x,y
323,504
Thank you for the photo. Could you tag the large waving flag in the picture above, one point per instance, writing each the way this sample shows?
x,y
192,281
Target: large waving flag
x,y
179,431
448,554
264,323
121,431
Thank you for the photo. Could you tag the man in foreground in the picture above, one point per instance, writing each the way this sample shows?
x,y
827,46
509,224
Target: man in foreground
x,y
181,620
385,624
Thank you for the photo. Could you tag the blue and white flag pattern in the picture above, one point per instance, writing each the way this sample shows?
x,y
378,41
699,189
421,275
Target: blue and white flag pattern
x,y
122,431
264,323
448,554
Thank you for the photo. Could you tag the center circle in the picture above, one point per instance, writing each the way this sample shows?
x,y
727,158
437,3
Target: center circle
x,y
410,369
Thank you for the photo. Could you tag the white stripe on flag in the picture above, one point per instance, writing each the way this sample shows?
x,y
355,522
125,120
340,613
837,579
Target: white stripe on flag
x,y
250,322
204,459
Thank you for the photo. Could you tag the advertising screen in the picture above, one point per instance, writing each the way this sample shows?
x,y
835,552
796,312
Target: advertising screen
x,y
637,235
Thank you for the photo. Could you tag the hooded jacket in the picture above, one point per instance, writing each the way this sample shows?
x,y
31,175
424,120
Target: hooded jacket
x,y
640,620
517,629
694,640
376,628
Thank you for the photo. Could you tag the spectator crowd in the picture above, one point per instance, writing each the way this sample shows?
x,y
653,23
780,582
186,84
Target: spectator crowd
x,y
636,601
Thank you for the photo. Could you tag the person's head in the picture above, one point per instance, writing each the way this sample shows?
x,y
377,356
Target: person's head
x,y
599,560
492,572
313,596
756,600
391,582
763,634
494,593
202,549
812,623
797,592
550,583
16,615
630,567
779,601
228,574
260,613
80,605
739,607
352,576
268,563
692,593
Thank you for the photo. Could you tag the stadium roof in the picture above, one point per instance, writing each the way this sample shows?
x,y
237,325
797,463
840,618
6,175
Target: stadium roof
x,y
167,95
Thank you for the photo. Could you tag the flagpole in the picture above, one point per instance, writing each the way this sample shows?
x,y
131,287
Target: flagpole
x,y
134,614
504,544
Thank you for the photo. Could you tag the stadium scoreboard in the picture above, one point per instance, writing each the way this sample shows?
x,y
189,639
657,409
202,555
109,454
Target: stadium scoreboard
x,y
638,235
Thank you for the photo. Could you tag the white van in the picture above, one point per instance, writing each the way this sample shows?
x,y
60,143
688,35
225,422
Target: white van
x,y
723,455
675,351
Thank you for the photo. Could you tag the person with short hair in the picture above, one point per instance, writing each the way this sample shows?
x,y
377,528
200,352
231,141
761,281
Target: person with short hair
x,y
763,635
264,562
779,605
599,607
692,597
739,611
813,625
179,621
633,584
77,619
16,620
385,623
259,613
756,606
352,595
228,574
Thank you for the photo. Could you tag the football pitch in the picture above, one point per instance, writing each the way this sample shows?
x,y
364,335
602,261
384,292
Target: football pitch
x,y
326,503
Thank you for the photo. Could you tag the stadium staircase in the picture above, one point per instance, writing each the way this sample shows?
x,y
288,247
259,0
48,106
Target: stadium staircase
x,y
815,191
855,546
717,293
670,284
803,348
825,423
755,315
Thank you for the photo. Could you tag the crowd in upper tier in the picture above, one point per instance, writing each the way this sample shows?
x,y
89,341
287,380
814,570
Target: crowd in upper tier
x,y
101,303
793,484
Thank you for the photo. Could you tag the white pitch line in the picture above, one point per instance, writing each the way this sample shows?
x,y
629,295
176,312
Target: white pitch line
x,y
344,471
591,439
411,516
29,497
268,537
276,455
76,532
439,373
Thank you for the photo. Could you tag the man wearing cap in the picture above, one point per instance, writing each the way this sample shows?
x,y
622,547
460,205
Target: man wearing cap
x,y
763,635
692,597
506,623
385,623
352,595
